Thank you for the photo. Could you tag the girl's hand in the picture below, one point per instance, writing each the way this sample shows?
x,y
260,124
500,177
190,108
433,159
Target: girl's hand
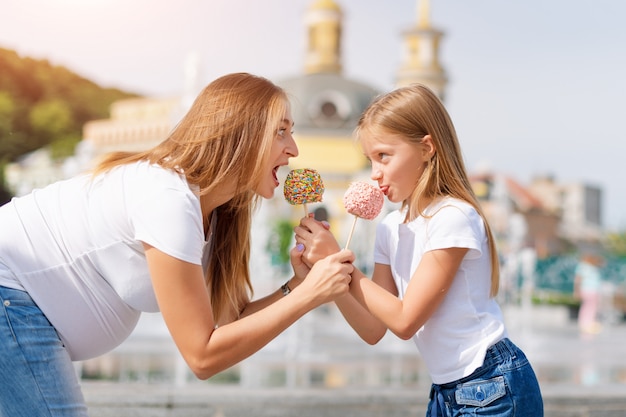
x,y
330,277
318,241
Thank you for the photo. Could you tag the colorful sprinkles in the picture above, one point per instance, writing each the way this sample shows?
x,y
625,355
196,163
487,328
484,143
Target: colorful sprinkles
x,y
303,186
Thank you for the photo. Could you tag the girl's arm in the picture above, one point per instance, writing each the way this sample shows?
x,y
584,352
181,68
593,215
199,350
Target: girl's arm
x,y
425,292
380,307
368,327
319,242
184,302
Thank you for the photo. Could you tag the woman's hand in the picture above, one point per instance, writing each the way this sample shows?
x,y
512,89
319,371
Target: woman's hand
x,y
318,241
300,268
329,278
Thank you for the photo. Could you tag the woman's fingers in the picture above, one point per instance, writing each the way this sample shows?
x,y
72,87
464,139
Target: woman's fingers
x,y
330,277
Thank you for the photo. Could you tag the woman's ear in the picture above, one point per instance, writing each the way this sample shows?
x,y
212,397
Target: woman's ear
x,y
428,147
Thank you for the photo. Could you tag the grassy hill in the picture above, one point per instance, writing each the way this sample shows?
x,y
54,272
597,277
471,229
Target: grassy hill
x,y
45,105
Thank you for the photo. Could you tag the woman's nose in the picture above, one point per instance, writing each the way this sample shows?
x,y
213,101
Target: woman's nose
x,y
292,148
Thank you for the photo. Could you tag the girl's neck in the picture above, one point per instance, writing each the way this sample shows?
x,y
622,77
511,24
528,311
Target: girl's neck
x,y
422,207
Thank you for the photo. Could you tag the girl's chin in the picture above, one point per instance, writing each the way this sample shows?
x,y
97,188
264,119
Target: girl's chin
x,y
391,198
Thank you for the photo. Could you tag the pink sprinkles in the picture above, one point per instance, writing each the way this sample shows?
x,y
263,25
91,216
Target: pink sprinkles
x,y
363,200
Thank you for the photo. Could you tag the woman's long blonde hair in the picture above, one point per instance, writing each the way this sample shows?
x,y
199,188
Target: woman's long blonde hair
x,y
414,112
226,135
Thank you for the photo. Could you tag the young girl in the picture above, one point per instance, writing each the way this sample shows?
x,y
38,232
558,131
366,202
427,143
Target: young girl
x,y
436,267
587,288
166,229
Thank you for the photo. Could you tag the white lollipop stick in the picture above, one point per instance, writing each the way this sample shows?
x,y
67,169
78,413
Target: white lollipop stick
x,y
351,232
362,200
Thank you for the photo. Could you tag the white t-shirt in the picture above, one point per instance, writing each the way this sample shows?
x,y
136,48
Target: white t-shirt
x,y
76,247
454,340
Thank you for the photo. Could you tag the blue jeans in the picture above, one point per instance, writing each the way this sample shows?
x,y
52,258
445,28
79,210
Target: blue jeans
x,y
504,386
37,377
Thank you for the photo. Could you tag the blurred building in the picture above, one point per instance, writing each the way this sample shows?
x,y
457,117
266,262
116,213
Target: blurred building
x,y
135,124
33,170
547,216
140,123
518,218
579,205
420,63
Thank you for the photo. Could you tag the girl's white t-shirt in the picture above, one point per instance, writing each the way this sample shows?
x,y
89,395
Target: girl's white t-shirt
x,y
454,340
76,247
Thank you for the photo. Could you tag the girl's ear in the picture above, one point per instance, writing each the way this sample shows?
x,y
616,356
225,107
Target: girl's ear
x,y
428,147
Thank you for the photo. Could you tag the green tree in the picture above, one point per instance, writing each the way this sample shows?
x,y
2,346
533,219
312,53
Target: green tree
x,y
7,107
51,119
45,105
280,238
11,140
4,193
616,244
64,146
52,123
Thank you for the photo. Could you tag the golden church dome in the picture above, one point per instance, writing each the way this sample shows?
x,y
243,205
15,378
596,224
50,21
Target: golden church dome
x,y
325,5
327,102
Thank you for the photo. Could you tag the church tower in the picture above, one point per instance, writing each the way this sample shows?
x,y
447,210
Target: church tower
x,y
326,107
421,54
323,22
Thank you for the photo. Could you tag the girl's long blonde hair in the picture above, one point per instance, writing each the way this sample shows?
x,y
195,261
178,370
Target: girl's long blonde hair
x,y
414,112
226,135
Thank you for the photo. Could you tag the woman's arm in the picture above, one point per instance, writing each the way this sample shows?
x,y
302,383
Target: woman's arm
x,y
300,272
184,302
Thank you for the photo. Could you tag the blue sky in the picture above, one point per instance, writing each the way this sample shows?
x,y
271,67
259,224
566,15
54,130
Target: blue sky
x,y
536,87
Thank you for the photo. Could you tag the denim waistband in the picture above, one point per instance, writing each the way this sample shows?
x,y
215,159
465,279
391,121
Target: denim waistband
x,y
494,355
14,294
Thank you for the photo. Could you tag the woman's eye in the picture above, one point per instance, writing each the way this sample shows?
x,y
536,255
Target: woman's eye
x,y
282,131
